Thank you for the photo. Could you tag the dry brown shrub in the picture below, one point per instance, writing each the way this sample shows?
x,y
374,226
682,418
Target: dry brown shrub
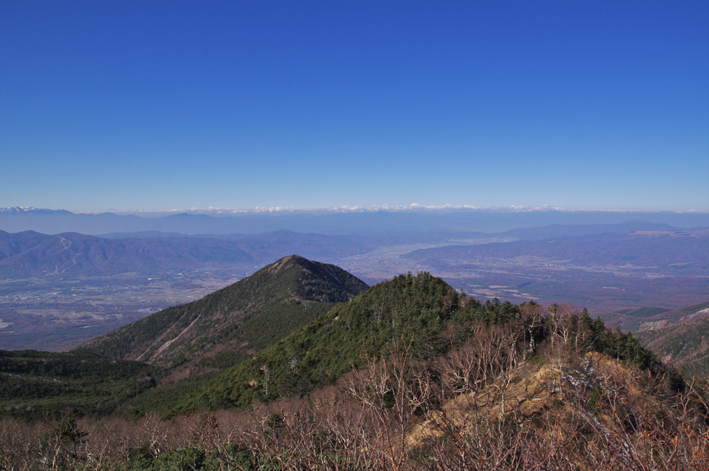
x,y
480,408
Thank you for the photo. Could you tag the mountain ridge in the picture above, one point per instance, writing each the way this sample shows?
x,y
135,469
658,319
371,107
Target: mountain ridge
x,y
420,313
360,222
30,253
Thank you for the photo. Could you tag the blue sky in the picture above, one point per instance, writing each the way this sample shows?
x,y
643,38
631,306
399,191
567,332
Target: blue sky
x,y
158,105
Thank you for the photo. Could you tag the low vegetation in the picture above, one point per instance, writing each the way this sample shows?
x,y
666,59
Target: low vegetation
x,y
559,409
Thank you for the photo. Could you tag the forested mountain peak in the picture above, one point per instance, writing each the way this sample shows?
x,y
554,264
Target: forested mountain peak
x,y
230,324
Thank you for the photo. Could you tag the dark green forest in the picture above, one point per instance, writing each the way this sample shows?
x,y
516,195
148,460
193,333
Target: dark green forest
x,y
36,384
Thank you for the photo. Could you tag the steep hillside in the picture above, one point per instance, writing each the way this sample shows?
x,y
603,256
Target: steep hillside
x,y
645,319
234,322
685,345
325,349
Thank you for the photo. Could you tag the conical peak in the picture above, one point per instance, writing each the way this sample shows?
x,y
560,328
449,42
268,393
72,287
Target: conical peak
x,y
297,278
190,330
278,265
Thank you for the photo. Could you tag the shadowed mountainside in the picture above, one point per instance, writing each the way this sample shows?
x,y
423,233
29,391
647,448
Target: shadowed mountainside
x,y
33,383
683,345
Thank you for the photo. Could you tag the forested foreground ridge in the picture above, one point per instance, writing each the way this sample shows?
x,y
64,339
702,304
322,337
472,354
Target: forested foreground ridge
x,y
422,310
409,374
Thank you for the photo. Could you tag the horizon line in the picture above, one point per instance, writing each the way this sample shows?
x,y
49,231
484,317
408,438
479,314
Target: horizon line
x,y
274,210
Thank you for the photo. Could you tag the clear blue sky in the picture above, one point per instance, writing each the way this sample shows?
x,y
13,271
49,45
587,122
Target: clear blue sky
x,y
158,105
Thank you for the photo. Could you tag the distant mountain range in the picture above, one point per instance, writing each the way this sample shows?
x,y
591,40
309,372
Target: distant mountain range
x,y
30,253
324,222
59,290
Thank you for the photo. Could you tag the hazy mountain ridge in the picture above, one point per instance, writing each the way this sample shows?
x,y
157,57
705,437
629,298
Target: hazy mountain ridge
x,y
32,254
233,322
568,230
29,253
350,222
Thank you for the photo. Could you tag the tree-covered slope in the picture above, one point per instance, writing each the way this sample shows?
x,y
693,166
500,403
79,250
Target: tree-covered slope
x,y
214,332
34,384
423,308
322,351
